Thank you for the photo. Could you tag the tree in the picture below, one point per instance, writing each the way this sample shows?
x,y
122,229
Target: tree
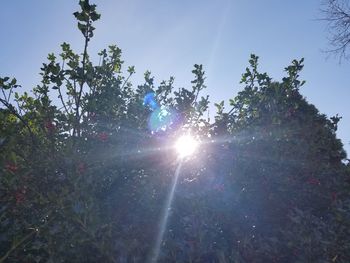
x,y
84,178
337,15
288,162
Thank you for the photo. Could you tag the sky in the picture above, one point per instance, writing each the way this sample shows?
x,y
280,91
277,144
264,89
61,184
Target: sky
x,y
168,37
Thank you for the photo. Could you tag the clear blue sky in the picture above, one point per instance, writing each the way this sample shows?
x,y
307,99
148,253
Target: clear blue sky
x,y
169,36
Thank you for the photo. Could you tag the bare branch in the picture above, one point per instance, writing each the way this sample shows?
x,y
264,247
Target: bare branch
x,y
337,15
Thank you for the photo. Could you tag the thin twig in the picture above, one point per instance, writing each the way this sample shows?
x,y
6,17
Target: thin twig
x,y
77,115
62,101
3,92
126,81
15,246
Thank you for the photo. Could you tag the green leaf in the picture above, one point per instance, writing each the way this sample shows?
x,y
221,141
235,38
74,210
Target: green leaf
x,y
94,16
82,28
131,70
13,82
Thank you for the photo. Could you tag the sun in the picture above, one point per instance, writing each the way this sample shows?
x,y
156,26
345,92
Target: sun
x,y
186,145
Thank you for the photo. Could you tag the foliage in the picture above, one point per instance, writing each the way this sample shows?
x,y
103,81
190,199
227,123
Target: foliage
x,y
84,179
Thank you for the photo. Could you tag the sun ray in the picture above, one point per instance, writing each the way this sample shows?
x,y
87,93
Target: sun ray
x,y
165,215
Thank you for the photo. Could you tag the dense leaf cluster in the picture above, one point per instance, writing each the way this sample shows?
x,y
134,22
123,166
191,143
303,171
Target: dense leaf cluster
x,y
84,179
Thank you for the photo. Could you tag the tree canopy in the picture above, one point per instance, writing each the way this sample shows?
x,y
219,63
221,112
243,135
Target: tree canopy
x,y
87,165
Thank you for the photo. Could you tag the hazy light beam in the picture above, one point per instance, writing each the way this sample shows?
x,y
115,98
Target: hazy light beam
x,y
217,38
165,216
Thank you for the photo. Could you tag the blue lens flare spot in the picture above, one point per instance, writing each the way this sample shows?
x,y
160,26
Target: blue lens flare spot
x,y
161,119
150,101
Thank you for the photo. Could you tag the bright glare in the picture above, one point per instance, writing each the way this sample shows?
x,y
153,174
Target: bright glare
x,y
186,145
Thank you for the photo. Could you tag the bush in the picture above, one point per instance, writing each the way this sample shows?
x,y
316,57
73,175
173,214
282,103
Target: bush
x,y
85,178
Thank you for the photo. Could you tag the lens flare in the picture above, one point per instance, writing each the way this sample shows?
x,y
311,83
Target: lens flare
x,y
186,146
150,101
161,119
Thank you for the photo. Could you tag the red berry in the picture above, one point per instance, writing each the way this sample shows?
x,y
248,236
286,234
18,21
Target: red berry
x,y
50,126
11,167
314,181
81,168
103,136
334,196
20,195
